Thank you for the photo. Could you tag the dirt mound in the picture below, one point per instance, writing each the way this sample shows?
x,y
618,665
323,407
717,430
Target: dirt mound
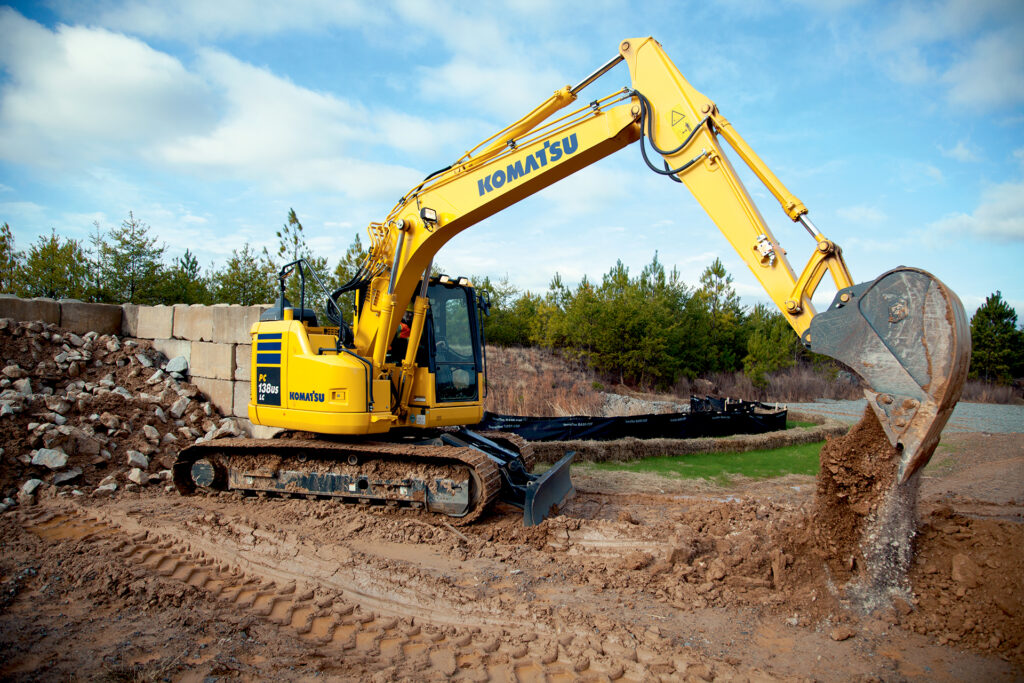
x,y
90,412
968,579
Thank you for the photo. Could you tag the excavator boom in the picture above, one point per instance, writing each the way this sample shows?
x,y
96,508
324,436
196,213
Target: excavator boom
x,y
904,333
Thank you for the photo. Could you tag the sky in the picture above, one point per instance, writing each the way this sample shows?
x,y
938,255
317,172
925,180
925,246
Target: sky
x,y
899,125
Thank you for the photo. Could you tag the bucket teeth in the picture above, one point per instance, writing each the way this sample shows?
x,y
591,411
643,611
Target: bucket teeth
x,y
906,335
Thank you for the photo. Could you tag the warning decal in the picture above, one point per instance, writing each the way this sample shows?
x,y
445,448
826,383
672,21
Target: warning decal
x,y
680,126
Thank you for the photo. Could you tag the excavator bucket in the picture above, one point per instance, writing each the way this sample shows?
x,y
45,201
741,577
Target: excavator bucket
x,y
907,336
552,488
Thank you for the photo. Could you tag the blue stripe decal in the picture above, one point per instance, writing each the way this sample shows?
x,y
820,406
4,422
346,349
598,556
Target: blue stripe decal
x,y
268,359
269,335
268,346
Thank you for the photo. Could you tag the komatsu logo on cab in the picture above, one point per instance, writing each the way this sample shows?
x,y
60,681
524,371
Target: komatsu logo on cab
x,y
551,151
310,396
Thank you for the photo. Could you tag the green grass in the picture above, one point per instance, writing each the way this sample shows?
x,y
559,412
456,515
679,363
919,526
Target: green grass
x,y
790,424
720,467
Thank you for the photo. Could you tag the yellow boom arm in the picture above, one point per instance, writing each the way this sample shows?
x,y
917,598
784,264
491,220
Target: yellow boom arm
x,y
536,151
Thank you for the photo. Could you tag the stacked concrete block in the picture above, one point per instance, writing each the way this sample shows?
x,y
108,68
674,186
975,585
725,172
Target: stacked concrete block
x,y
240,405
231,323
154,322
213,361
46,310
130,320
194,323
243,362
220,392
172,348
215,341
81,317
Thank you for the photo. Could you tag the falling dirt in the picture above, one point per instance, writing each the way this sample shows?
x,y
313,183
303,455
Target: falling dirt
x,y
864,524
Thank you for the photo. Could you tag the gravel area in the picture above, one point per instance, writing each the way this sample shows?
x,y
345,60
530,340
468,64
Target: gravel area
x,y
967,417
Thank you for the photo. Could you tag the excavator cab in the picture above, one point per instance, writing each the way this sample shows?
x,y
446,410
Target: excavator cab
x,y
451,348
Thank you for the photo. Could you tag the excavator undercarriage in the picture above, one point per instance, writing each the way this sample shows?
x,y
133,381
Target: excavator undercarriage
x,y
458,474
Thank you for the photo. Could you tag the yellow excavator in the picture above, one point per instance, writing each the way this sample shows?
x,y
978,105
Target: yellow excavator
x,y
378,409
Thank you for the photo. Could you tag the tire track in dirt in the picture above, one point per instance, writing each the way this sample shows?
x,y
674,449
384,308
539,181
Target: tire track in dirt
x,y
336,624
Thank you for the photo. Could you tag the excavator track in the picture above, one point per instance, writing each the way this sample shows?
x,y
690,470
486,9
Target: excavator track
x,y
459,483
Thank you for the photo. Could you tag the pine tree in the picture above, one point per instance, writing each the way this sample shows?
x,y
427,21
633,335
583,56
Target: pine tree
x,y
348,265
131,264
771,346
10,261
94,264
54,268
184,282
725,342
995,340
291,247
248,278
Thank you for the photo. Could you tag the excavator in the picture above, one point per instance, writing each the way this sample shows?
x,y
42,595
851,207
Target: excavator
x,y
378,410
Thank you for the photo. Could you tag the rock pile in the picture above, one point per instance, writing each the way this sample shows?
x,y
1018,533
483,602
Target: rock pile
x,y
93,414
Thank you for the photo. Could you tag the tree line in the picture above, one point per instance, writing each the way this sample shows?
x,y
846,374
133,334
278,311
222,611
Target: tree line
x,y
125,264
651,329
647,329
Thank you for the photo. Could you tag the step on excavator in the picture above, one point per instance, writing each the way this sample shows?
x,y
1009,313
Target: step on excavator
x,y
379,410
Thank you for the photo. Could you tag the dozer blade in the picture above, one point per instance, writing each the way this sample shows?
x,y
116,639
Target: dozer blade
x,y
907,336
552,488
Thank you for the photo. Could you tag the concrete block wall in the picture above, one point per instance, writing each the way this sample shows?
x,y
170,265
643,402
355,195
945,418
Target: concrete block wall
x,y
77,316
213,339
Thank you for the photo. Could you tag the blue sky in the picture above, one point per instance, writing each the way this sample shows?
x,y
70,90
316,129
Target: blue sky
x,y
900,126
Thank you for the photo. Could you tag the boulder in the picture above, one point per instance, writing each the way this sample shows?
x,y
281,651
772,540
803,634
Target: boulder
x,y
179,407
27,493
67,476
54,458
177,364
137,459
105,489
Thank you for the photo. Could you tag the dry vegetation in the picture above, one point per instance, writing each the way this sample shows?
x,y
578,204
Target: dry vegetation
x,y
977,391
533,381
539,382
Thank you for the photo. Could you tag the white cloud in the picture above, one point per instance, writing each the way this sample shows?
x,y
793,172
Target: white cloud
x,y
969,48
194,20
861,214
992,73
1000,215
78,98
267,120
962,152
507,90
77,91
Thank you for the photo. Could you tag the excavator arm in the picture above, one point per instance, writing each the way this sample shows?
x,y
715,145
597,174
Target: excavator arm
x,y
905,333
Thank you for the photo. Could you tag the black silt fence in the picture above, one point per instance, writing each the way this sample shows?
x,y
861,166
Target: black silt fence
x,y
707,417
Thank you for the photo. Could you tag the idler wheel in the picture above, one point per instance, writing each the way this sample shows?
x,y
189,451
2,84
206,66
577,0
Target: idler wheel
x,y
207,475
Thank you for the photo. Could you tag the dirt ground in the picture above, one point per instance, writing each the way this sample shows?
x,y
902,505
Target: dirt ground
x,y
638,579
